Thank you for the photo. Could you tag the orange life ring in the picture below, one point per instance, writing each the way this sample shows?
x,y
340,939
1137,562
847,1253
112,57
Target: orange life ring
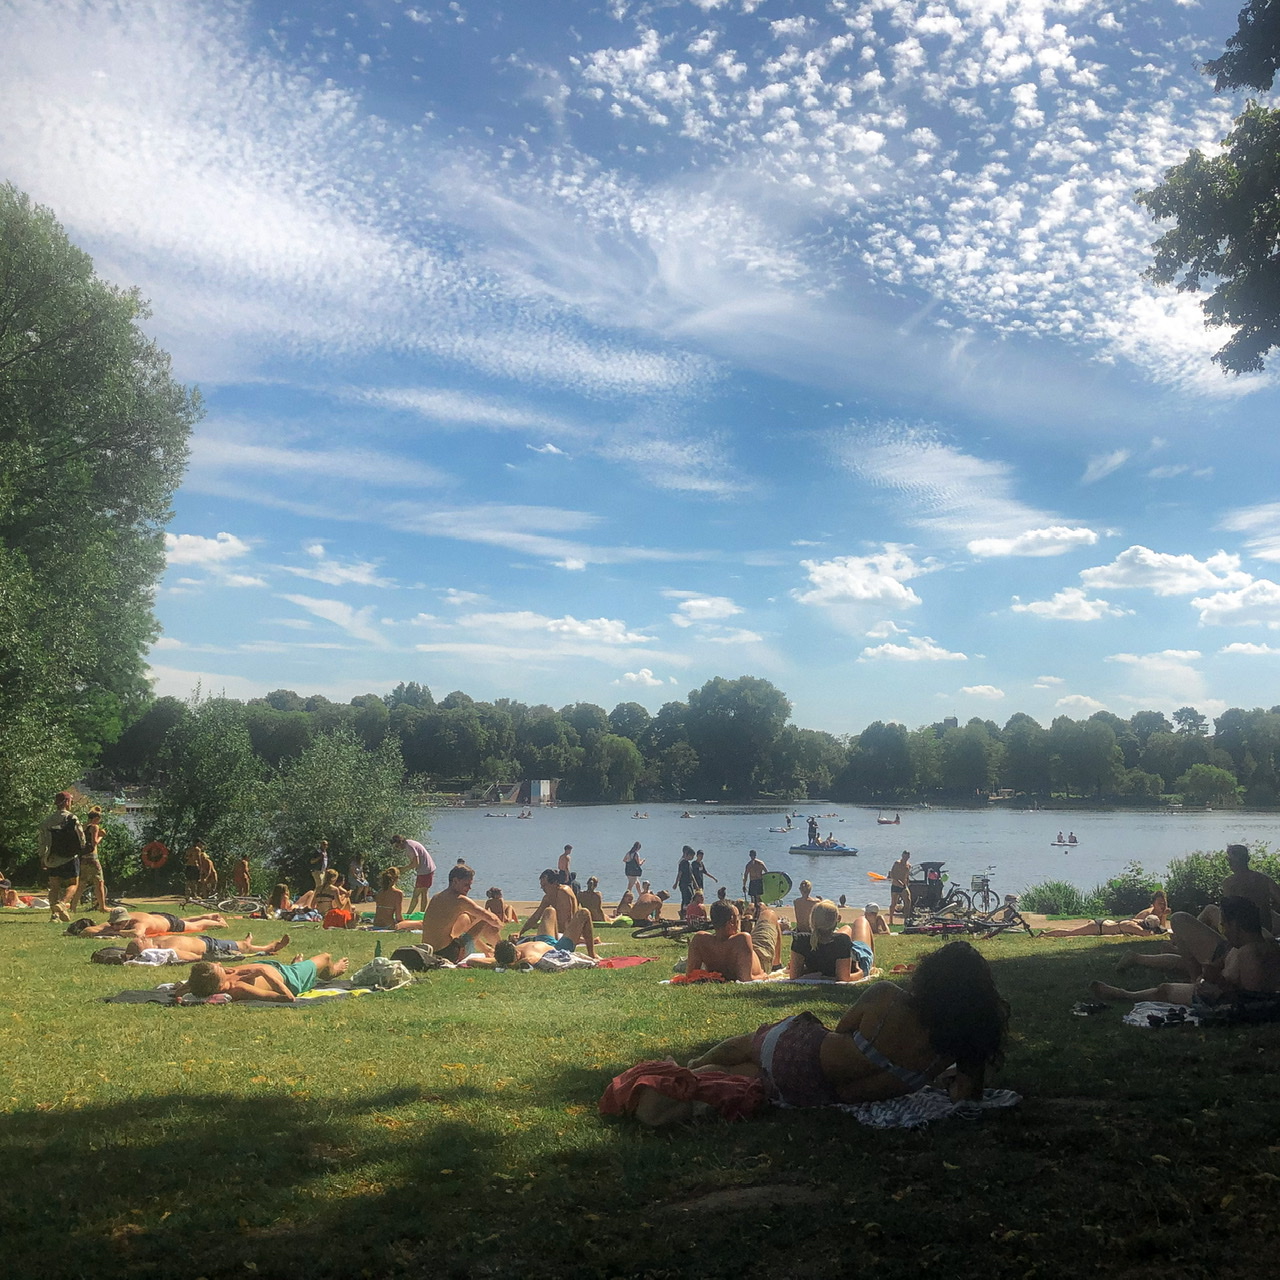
x,y
154,855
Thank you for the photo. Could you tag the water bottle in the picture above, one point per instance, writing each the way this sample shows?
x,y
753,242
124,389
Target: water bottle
x,y
377,949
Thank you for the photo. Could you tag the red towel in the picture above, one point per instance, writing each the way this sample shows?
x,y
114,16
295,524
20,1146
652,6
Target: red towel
x,y
622,962
734,1097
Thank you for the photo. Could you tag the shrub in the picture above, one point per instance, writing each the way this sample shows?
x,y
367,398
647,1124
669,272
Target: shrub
x,y
1126,894
1053,898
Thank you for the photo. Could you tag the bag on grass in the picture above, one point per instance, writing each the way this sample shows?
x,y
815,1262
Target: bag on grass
x,y
108,955
382,972
418,958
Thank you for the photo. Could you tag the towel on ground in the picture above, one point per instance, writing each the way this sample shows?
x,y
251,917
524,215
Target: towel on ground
x,y
1159,1013
155,956
734,1097
559,961
622,962
915,1110
336,989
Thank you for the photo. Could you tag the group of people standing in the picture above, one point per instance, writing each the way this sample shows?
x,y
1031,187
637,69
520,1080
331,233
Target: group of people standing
x,y
68,851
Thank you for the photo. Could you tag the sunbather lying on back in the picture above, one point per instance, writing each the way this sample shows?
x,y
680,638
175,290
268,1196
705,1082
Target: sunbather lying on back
x,y
145,924
508,954
282,983
200,946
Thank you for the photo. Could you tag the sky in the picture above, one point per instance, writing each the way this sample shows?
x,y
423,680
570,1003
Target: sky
x,y
580,351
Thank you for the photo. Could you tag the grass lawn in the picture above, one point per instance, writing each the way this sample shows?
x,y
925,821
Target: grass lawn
x,y
450,1130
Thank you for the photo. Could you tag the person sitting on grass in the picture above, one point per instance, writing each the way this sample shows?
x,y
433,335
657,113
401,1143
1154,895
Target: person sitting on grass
x,y
591,901
453,925
495,903
892,1041
279,903
1248,966
271,980
389,902
696,910
145,924
803,905
625,905
200,946
358,880
560,916
875,921
648,906
727,950
845,953
332,897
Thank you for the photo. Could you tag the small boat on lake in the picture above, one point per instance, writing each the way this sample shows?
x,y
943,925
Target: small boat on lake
x,y
821,850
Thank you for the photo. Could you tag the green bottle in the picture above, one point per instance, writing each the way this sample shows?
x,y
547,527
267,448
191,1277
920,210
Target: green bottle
x,y
377,948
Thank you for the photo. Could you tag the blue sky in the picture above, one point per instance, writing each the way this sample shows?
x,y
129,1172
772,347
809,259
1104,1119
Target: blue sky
x,y
578,351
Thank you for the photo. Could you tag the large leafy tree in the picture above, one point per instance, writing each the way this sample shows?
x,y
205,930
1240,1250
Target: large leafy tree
x,y
93,438
1226,208
733,726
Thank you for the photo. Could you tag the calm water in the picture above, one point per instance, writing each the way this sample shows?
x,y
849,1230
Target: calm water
x,y
508,852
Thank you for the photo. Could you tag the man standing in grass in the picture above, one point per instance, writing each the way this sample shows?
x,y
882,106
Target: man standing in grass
x,y
424,870
61,843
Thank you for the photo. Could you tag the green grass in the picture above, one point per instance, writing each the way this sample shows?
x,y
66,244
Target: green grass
x,y
450,1130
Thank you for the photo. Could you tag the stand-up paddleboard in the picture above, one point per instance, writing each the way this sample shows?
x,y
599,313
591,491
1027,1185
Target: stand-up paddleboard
x,y
777,884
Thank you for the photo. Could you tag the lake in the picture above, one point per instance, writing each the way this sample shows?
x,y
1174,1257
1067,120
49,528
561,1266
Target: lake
x,y
509,852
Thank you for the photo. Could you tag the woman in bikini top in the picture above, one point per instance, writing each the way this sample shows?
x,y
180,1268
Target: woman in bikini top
x,y
891,1042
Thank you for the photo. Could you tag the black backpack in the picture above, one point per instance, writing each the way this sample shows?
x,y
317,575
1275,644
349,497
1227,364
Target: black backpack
x,y
66,841
108,955
417,959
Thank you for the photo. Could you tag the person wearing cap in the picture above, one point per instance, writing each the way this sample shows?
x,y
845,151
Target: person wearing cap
x,y
875,921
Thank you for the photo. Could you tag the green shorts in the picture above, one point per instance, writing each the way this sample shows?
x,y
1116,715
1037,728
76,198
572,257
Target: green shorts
x,y
299,977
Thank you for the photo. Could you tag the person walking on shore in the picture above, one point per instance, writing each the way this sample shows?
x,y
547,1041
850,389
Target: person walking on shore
x,y
685,881
61,842
632,867
753,879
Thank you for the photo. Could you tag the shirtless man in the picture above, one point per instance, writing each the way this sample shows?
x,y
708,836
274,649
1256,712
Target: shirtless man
x,y
282,983
199,946
804,905
726,951
1243,882
1251,966
563,864
900,886
558,911
454,925
145,924
875,921
753,878
648,906
508,954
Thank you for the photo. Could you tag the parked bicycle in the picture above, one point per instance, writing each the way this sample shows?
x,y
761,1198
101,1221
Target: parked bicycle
x,y
984,898
237,903
669,928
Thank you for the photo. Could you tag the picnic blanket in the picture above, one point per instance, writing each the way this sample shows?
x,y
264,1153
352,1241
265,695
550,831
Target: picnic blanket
x,y
337,989
1246,1010
915,1110
779,976
1149,1014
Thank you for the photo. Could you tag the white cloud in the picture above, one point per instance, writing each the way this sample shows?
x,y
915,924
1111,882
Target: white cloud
x,y
547,448
191,548
1258,604
1261,524
336,573
876,579
695,608
1048,682
1080,702
599,630
1165,659
357,623
917,649
1069,605
461,599
1167,574
1053,541
882,630
1103,464
644,678
734,635
1248,649
988,691
167,642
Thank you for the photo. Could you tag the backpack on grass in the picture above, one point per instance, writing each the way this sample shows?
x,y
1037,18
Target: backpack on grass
x,y
418,958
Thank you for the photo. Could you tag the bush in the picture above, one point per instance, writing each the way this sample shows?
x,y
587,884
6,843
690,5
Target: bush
x,y
1124,895
1196,880
1054,898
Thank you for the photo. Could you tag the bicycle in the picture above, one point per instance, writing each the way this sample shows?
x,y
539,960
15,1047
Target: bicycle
x,y
929,899
236,903
1003,919
674,929
984,898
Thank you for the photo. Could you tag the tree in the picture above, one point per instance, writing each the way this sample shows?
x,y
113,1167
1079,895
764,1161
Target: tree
x,y
1227,220
630,720
1190,721
338,790
733,725
1207,784
93,439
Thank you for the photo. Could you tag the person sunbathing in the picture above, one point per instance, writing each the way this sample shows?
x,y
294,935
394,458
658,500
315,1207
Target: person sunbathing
x,y
200,946
145,924
508,954
1153,919
648,905
875,920
591,901
331,896
1250,965
803,905
891,1042
558,911
271,980
499,906
832,950
727,950
625,905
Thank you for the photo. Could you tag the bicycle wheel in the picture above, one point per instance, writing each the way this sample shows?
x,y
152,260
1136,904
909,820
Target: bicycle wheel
x,y
986,901
655,929
240,904
956,903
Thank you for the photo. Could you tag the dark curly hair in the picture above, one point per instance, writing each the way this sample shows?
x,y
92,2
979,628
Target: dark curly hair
x,y
957,1002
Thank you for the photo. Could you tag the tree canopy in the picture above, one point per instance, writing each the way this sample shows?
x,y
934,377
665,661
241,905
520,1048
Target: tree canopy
x,y
93,441
1225,210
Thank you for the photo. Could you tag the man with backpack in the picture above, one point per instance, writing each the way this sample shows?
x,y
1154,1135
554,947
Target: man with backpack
x,y
61,844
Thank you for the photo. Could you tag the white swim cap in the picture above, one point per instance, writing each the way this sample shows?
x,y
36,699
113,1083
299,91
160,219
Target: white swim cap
x,y
872,908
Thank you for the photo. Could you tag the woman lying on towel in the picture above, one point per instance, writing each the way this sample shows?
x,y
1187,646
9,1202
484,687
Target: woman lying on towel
x,y
891,1042
1153,919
